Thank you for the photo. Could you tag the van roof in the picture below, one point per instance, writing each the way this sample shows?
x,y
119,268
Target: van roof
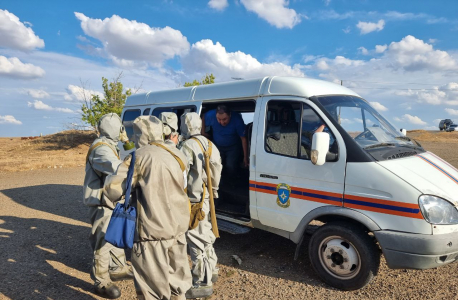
x,y
242,89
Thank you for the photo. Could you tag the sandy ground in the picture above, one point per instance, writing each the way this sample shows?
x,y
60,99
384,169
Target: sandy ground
x,y
45,254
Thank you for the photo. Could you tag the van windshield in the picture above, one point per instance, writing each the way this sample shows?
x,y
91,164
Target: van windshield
x,y
363,123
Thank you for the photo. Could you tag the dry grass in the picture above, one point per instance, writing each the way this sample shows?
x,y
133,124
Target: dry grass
x,y
64,149
69,149
434,136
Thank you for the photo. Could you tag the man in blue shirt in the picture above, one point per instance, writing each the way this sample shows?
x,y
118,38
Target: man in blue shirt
x,y
228,132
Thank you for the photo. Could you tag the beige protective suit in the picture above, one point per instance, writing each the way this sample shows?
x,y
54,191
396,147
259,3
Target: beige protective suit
x,y
159,258
170,121
103,161
200,239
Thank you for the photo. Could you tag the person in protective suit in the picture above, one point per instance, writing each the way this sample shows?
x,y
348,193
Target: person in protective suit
x,y
170,121
200,239
109,262
159,257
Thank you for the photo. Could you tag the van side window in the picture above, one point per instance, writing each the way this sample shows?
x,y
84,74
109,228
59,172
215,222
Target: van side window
x,y
146,111
286,121
282,127
128,120
178,110
311,122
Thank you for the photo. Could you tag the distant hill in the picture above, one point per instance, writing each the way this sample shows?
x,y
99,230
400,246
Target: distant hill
x,y
63,149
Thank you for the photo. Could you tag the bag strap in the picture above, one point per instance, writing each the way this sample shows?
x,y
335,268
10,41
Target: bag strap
x,y
92,148
130,174
209,151
183,168
202,147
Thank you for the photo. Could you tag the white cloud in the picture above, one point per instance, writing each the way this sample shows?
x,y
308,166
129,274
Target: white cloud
x,y
39,105
13,67
413,120
128,40
378,106
380,48
327,2
218,4
8,119
413,54
77,93
333,15
207,57
346,121
347,30
404,63
444,94
324,63
15,35
363,50
275,12
367,27
451,111
35,93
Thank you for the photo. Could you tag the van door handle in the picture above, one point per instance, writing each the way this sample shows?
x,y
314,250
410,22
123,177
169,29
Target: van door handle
x,y
268,176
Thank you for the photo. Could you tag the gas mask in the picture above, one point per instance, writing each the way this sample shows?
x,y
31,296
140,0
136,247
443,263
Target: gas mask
x,y
125,140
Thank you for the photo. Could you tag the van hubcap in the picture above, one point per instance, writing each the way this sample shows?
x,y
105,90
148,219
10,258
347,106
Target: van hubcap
x,y
339,257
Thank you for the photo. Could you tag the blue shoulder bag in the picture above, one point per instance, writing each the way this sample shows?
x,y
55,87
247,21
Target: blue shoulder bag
x,y
121,229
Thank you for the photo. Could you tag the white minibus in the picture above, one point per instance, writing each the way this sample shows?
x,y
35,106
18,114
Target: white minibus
x,y
371,188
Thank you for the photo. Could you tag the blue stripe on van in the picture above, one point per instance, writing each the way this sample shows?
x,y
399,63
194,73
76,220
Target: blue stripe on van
x,y
322,197
383,206
296,192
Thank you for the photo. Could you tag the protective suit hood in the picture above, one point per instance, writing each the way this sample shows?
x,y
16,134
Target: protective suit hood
x,y
170,121
109,126
147,129
191,124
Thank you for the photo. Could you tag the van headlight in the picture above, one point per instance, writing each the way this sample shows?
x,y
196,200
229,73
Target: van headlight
x,y
437,210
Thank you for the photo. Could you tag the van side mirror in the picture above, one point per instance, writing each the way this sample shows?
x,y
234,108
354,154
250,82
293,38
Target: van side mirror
x,y
320,147
403,131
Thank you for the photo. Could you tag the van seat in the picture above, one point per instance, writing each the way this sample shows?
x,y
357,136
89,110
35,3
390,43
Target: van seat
x,y
282,138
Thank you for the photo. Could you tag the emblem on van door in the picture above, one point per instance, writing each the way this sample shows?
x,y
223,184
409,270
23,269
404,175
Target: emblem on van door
x,y
283,193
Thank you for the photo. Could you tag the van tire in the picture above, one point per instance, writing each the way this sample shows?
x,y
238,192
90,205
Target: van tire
x,y
344,255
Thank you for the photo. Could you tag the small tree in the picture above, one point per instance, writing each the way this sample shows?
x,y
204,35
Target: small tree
x,y
207,79
113,102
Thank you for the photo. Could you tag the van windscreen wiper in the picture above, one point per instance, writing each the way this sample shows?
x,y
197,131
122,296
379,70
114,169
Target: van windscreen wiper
x,y
380,145
405,138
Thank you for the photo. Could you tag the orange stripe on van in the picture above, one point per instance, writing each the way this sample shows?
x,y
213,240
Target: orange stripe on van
x,y
385,211
380,201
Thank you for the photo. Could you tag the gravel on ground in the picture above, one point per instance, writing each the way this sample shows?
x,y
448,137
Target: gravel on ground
x,y
45,253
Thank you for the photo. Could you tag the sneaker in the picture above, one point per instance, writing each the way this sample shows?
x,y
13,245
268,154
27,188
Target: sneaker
x,y
125,274
214,277
110,291
199,292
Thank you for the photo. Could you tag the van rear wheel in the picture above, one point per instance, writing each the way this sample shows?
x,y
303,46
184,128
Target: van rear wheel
x,y
344,256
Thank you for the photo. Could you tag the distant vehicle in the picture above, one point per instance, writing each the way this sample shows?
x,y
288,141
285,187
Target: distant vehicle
x,y
452,127
443,124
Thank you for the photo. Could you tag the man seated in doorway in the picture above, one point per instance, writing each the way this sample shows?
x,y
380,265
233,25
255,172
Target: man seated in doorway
x,y
228,133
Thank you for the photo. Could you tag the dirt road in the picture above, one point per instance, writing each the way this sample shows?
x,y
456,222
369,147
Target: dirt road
x,y
45,254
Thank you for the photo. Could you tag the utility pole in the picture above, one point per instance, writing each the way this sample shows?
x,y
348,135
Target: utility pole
x,y
341,82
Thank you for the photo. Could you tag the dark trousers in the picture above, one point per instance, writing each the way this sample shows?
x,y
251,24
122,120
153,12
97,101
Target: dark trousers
x,y
231,158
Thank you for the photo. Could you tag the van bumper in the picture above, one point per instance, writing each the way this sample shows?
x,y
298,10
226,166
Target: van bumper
x,y
417,251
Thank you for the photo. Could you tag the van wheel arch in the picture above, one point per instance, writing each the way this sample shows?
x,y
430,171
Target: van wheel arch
x,y
329,214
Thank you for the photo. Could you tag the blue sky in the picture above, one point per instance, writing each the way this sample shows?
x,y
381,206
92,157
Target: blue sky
x,y
402,56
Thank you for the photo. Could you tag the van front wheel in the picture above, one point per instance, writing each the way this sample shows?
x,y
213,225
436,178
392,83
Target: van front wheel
x,y
344,256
